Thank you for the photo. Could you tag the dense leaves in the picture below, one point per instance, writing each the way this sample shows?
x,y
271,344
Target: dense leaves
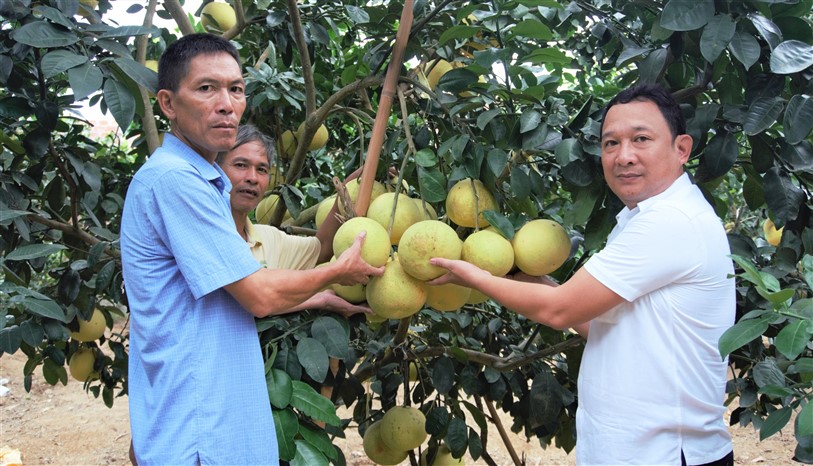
x,y
520,110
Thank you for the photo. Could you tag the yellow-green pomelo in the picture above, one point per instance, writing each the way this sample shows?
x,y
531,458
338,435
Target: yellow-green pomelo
x,y
81,365
351,293
319,138
353,187
477,297
323,209
772,235
423,241
403,428
90,330
264,210
395,294
406,213
429,212
377,450
465,203
540,247
413,371
218,16
490,251
286,147
447,297
376,248
443,457
152,64
440,68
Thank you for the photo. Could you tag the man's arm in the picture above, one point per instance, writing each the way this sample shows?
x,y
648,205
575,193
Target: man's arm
x,y
275,291
571,304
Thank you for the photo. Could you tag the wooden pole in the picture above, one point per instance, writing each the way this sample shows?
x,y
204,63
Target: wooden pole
x,y
384,107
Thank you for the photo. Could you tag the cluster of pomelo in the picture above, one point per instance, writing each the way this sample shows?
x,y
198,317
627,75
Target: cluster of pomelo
x,y
82,361
394,219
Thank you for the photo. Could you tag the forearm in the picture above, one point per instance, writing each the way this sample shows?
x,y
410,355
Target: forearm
x,y
275,291
535,301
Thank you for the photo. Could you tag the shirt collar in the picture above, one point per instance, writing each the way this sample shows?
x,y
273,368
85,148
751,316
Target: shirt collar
x,y
251,238
682,182
210,171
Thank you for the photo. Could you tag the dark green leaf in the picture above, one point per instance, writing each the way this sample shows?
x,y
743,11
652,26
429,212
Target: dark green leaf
x,y
42,34
443,375
651,67
280,388
457,32
792,339
719,157
356,14
545,400
45,308
332,335
686,15
799,157
520,182
9,214
437,420
742,333
767,29
33,251
791,56
798,120
32,332
568,151
307,455
138,73
10,339
432,184
717,34
286,426
313,357
58,61
745,48
500,222
105,276
457,436
130,31
804,421
529,120
782,195
120,102
319,439
550,56
426,158
762,114
775,422
485,118
312,404
85,80
766,372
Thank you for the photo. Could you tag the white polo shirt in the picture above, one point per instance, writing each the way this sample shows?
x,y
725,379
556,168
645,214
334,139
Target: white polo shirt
x,y
274,249
652,381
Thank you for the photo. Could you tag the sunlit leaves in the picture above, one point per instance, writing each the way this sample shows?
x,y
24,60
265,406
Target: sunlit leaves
x,y
791,56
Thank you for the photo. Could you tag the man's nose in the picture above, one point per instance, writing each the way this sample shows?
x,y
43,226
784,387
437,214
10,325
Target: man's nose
x,y
626,154
225,103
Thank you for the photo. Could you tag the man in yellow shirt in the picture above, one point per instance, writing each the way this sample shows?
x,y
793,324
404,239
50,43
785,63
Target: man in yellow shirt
x,y
248,166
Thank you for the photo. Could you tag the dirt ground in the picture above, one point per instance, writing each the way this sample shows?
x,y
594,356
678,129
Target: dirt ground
x,y
64,425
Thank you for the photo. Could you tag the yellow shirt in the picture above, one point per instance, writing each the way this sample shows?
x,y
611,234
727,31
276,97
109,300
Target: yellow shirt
x,y
274,249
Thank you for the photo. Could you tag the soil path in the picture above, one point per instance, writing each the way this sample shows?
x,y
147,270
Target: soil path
x,y
64,425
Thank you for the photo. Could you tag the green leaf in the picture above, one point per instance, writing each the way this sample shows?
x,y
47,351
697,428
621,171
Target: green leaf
x,y
443,375
58,61
130,31
529,120
745,48
10,339
793,339
120,102
437,420
308,455
718,157
550,56
45,308
286,426
798,120
458,32
313,357
804,421
42,34
801,366
138,73
568,150
9,214
330,333
650,68
777,298
775,422
767,373
782,195
280,388
791,56
32,332
742,333
432,184
520,182
762,114
717,34
85,80
33,251
457,436
687,15
500,222
531,28
485,118
426,158
319,439
545,400
767,29
312,404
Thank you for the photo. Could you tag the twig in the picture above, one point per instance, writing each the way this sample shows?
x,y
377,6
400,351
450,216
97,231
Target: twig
x,y
495,418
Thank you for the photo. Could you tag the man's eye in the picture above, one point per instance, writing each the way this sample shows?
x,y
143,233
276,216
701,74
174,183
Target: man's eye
x,y
237,90
205,88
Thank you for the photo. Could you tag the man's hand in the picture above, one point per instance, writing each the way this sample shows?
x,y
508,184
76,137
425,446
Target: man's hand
x,y
459,272
353,269
334,303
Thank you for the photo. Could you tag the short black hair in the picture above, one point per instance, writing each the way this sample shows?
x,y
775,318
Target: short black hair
x,y
656,94
174,63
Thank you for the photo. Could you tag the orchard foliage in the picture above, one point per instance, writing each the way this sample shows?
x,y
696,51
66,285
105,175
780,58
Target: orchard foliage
x,y
519,110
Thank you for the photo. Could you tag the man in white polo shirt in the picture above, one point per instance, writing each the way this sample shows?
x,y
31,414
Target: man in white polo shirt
x,y
661,293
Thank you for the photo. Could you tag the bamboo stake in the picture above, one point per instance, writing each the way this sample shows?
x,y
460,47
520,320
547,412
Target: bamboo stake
x,y
384,107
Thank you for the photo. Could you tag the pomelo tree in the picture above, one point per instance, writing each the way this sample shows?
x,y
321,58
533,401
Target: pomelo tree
x,y
517,109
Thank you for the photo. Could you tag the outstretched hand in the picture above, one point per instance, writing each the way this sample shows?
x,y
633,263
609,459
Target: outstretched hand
x,y
458,272
353,269
334,303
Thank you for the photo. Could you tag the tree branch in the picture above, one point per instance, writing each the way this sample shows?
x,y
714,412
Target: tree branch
x,y
73,231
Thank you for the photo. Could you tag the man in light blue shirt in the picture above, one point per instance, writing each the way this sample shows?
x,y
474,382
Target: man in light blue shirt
x,y
196,382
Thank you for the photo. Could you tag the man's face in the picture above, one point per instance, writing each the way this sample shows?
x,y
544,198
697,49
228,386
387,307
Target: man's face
x,y
639,156
208,105
248,170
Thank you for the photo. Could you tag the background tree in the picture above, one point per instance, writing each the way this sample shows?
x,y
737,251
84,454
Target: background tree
x,y
519,109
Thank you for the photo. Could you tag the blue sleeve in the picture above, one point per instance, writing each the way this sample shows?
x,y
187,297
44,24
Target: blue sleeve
x,y
199,230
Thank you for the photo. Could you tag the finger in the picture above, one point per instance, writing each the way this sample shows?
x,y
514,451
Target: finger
x,y
441,280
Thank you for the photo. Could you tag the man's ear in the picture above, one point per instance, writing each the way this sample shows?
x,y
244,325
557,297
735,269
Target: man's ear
x,y
164,99
683,144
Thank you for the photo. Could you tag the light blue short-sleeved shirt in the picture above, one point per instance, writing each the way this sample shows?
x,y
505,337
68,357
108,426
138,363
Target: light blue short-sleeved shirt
x,y
196,382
